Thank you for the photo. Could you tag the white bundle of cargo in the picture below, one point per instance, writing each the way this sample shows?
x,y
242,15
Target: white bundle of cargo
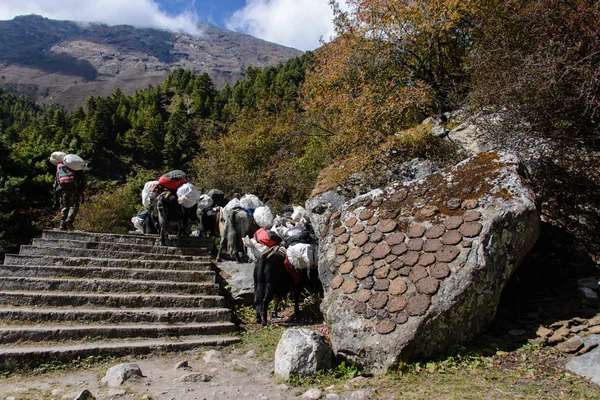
x,y
138,223
204,202
57,157
253,248
281,225
264,217
233,204
250,201
148,193
188,195
74,162
302,256
300,215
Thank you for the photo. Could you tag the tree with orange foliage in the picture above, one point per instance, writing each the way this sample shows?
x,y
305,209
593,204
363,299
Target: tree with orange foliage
x,y
391,64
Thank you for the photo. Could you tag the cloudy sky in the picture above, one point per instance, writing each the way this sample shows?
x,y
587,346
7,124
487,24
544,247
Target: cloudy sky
x,y
294,23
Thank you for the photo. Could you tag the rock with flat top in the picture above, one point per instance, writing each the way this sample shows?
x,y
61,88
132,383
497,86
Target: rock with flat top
x,y
571,346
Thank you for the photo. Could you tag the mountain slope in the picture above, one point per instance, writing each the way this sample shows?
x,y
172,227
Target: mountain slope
x,y
65,62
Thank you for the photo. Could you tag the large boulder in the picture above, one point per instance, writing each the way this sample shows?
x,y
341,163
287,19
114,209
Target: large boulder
x,y
417,266
240,279
301,352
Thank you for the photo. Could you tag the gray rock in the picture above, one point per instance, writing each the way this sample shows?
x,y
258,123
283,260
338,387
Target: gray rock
x,y
587,364
212,356
84,395
239,276
11,398
439,131
117,393
194,377
363,394
238,365
466,135
319,209
301,352
312,394
501,223
115,376
182,365
332,396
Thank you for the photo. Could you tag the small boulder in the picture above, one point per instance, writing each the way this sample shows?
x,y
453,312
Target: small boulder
x,y
301,352
239,277
117,375
312,394
212,356
194,377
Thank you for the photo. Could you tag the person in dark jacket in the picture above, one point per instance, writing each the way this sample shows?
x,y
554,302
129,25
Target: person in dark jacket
x,y
69,187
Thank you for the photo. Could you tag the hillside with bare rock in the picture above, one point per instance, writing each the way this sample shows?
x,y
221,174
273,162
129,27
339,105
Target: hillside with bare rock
x,y
65,62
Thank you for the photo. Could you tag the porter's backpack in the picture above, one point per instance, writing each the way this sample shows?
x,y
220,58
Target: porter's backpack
x,y
65,177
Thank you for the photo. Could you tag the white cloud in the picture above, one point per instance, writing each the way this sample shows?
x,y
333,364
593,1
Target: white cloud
x,y
294,23
139,13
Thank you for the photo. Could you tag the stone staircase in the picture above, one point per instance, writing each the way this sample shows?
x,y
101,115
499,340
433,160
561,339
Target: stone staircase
x,y
78,294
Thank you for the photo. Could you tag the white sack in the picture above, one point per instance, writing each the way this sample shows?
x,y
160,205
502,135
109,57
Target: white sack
x,y
233,204
57,157
188,195
138,223
250,201
74,162
147,195
264,217
302,256
299,214
204,202
254,248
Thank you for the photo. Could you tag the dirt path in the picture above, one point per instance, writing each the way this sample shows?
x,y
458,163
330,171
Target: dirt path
x,y
233,376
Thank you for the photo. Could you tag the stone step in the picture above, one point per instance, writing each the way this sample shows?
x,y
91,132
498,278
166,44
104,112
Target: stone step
x,y
129,238
87,253
31,356
41,333
106,285
18,259
106,273
130,300
115,246
115,315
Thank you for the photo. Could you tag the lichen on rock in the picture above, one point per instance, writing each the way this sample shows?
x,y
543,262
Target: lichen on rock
x,y
425,261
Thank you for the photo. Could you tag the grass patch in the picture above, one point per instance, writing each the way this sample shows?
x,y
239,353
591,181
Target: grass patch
x,y
263,340
529,372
